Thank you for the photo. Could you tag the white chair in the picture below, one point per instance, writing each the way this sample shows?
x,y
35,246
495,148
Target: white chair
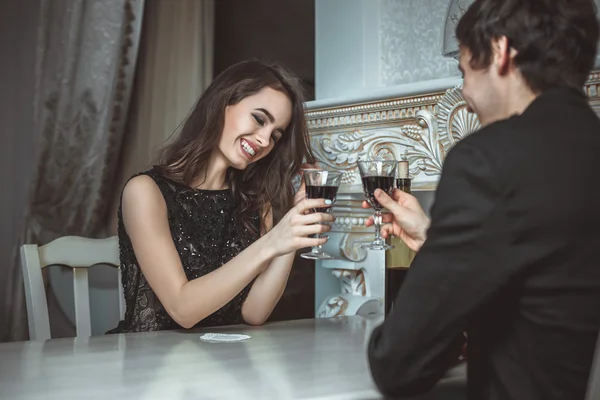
x,y
593,390
74,252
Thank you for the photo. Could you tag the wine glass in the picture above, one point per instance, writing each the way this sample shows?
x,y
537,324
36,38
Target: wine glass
x,y
377,174
320,184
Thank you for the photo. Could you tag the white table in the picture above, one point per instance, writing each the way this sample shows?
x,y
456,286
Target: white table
x,y
308,359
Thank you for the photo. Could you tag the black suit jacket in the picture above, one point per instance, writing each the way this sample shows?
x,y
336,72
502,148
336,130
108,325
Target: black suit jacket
x,y
512,257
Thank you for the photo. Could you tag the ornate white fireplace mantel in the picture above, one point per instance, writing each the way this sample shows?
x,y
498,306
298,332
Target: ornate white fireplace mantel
x,y
420,122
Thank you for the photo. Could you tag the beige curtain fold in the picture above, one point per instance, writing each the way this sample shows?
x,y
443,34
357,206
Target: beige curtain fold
x,y
175,65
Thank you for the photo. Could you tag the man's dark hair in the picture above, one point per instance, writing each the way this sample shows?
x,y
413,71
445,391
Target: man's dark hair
x,y
555,39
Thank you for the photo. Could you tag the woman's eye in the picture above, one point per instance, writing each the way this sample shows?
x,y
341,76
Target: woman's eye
x,y
275,137
259,120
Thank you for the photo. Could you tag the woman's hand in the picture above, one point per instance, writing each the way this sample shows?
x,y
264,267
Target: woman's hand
x,y
292,231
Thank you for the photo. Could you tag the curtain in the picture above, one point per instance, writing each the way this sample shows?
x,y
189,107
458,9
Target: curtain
x,y
85,62
175,65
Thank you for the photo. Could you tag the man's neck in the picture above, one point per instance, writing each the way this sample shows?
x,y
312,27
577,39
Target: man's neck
x,y
513,99
519,97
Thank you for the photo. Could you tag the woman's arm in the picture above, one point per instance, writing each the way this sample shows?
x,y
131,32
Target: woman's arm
x,y
188,302
269,286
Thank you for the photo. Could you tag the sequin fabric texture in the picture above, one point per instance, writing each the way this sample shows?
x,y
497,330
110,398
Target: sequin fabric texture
x,y
207,233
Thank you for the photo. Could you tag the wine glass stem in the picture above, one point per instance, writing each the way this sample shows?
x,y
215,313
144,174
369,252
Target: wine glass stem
x,y
318,249
377,221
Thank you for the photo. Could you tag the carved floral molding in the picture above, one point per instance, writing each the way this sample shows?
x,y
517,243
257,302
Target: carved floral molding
x,y
421,129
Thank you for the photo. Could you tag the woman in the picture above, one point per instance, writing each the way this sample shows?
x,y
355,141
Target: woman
x,y
197,241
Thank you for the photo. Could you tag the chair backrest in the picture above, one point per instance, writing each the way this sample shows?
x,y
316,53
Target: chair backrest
x,y
74,252
593,390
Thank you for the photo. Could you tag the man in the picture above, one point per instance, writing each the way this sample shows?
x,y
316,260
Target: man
x,y
512,255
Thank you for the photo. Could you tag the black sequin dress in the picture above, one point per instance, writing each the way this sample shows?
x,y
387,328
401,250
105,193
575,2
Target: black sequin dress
x,y
207,233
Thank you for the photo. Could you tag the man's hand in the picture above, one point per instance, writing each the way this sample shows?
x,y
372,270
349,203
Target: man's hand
x,y
407,220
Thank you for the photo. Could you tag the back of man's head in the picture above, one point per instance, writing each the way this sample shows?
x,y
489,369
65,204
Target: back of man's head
x,y
555,40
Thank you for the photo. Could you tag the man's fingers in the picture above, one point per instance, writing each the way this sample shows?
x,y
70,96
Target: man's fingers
x,y
387,231
385,218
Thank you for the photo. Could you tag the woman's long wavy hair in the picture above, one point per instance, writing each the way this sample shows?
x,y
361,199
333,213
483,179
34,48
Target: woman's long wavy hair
x,y
267,181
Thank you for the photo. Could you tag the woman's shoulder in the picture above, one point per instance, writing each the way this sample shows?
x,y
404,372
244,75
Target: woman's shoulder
x,y
151,173
148,184
149,180
141,188
140,183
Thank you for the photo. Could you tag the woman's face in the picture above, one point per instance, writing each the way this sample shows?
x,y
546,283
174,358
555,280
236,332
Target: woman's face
x,y
253,126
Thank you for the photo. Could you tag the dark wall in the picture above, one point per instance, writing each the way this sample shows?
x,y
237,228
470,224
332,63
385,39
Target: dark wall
x,y
282,31
270,30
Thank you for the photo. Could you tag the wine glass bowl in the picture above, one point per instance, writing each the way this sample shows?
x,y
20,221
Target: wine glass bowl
x,y
321,184
377,174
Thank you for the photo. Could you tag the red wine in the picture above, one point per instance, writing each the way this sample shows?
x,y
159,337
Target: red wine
x,y
321,192
403,184
372,183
